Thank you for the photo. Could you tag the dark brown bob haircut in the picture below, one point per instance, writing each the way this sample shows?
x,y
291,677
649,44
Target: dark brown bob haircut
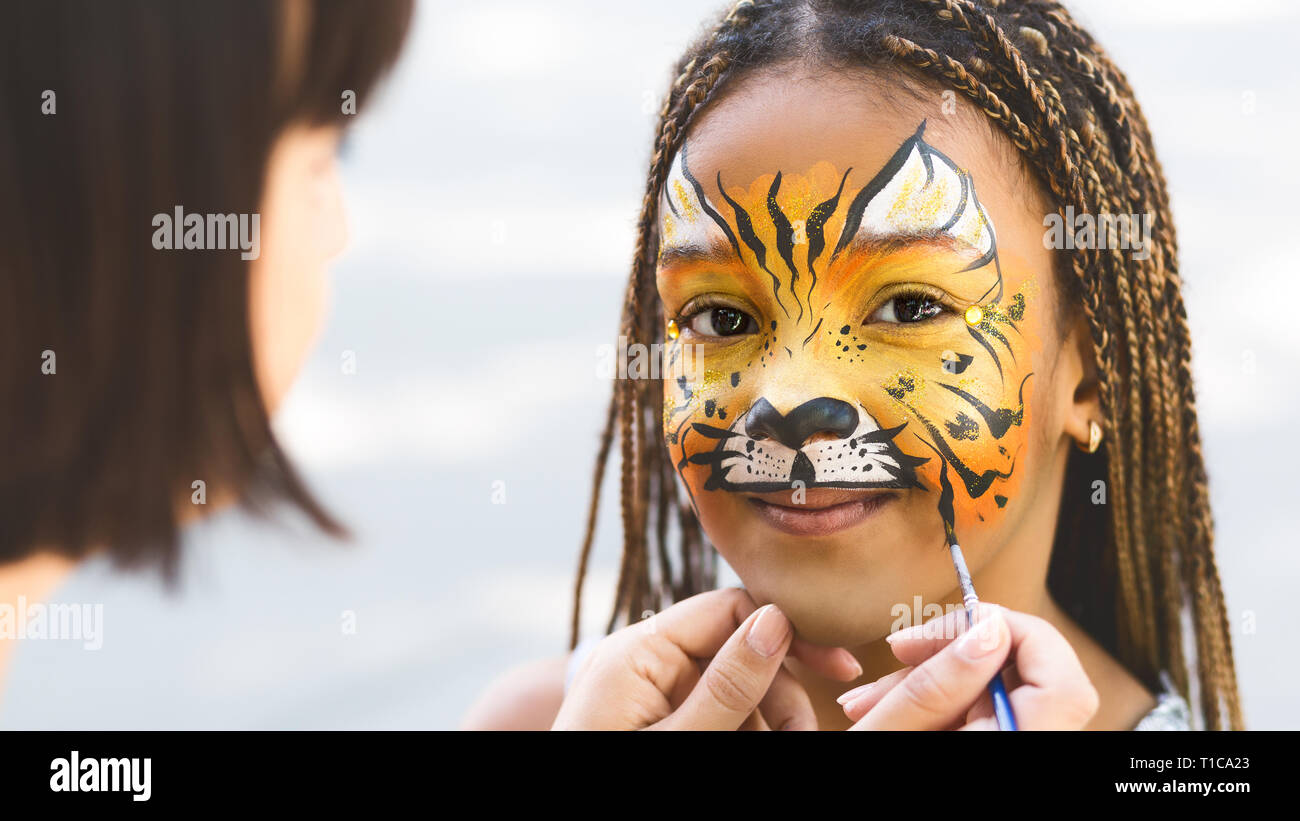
x,y
126,373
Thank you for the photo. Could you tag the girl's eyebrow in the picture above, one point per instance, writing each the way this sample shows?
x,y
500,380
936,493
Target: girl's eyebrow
x,y
720,253
717,252
888,243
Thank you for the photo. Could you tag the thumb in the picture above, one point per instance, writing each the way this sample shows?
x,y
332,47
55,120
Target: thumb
x,y
941,690
738,677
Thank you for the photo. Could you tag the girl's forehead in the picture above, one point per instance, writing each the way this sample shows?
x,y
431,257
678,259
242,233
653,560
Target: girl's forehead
x,y
857,118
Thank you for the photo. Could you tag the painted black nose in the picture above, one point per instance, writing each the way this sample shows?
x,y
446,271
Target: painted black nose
x,y
821,415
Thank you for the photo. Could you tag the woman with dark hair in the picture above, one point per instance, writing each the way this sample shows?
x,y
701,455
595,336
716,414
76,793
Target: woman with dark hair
x,y
168,203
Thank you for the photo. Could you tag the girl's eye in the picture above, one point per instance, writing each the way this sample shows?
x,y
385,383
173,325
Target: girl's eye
x,y
907,308
722,322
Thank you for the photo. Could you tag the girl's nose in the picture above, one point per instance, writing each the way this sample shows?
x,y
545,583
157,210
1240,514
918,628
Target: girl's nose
x,y
821,416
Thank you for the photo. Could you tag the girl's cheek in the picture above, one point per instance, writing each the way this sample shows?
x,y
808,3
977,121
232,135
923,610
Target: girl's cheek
x,y
701,393
975,413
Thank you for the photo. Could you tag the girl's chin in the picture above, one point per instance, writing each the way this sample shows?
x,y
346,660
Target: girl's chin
x,y
823,624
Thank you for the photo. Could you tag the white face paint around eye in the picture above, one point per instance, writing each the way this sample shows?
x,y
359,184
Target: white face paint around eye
x,y
928,195
687,217
918,193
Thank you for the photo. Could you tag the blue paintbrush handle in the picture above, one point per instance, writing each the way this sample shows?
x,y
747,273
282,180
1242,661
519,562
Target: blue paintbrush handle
x,y
997,690
1002,704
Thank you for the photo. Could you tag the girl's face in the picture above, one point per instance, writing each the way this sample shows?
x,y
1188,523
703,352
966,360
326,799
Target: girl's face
x,y
861,347
302,228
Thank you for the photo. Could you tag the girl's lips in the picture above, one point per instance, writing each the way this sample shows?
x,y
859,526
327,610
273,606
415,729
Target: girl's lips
x,y
824,510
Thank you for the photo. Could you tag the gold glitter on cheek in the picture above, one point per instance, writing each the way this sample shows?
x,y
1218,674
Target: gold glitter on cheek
x,y
711,380
905,387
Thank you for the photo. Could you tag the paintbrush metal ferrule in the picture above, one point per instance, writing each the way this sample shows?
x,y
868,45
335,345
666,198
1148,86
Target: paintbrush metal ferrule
x,y
968,596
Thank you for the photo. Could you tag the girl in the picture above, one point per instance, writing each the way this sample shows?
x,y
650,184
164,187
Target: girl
x,y
877,345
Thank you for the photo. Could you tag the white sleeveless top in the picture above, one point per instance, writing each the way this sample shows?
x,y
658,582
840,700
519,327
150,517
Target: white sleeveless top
x,y
1170,713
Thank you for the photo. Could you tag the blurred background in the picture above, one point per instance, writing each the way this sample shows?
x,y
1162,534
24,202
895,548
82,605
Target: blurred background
x,y
492,190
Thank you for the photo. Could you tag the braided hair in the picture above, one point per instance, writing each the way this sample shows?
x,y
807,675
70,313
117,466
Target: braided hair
x,y
1049,88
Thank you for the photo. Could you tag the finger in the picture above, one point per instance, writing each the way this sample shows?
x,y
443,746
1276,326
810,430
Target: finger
x,y
1060,696
1011,676
986,723
694,628
753,722
983,708
832,662
684,682
1054,691
860,700
702,624
738,677
787,705
913,645
939,691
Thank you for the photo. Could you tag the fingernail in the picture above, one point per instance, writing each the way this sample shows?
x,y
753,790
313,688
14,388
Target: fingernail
x,y
849,695
857,666
905,633
854,705
981,638
768,631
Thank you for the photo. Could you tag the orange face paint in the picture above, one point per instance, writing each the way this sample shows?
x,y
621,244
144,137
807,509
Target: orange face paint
x,y
856,330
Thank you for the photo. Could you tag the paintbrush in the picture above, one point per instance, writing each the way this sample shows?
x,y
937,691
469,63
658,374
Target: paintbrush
x,y
997,690
1001,704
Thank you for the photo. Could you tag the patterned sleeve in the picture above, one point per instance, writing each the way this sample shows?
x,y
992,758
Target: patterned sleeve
x,y
1171,711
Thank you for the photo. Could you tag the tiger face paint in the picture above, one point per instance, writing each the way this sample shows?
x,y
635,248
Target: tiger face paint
x,y
857,334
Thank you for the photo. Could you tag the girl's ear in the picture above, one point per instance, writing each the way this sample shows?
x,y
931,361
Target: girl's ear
x,y
1080,370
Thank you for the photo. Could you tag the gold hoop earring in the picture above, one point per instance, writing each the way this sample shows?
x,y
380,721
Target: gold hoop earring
x,y
1094,438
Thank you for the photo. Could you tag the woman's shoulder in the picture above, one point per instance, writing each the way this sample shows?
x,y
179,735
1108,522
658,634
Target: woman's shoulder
x,y
525,697
528,697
